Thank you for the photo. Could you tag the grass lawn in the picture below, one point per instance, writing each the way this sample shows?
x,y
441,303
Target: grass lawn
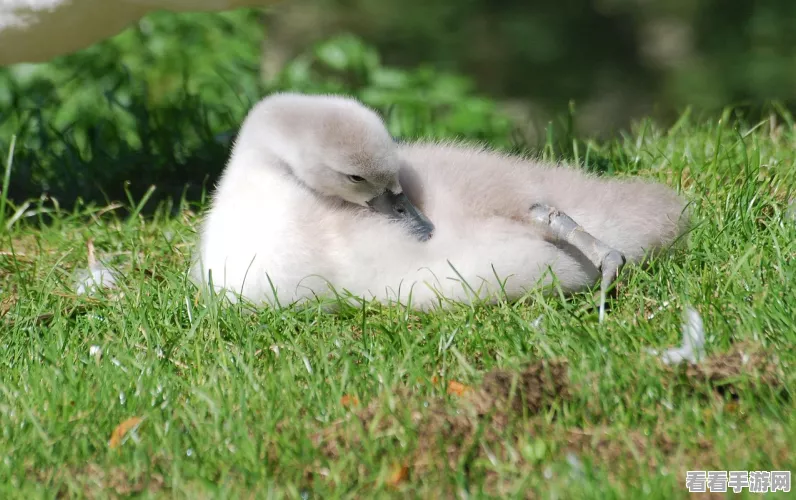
x,y
531,399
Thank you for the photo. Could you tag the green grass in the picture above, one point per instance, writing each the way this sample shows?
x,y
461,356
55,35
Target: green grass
x,y
233,404
225,415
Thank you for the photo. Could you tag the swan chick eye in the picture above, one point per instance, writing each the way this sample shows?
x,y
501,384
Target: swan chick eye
x,y
355,178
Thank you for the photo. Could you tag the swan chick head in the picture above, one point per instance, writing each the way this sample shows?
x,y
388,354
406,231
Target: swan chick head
x,y
338,148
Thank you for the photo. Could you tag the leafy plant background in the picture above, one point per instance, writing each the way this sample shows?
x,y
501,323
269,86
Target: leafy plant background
x,y
134,110
160,103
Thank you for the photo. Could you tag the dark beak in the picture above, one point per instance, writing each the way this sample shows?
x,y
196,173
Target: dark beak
x,y
399,208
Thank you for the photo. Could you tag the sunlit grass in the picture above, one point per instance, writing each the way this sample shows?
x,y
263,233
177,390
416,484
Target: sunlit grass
x,y
233,404
231,401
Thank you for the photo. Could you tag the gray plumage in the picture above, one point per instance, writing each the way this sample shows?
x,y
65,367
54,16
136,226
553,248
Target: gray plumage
x,y
287,216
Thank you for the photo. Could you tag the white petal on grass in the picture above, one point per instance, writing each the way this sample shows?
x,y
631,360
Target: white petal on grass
x,y
693,348
118,364
537,324
661,308
95,350
96,276
790,212
575,463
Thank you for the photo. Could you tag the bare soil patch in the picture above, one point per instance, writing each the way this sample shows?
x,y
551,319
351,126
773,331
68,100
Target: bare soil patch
x,y
744,367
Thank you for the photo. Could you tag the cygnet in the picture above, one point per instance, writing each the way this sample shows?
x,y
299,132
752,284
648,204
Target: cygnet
x,y
318,201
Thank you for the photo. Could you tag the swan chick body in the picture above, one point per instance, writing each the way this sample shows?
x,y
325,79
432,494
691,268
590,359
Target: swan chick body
x,y
318,198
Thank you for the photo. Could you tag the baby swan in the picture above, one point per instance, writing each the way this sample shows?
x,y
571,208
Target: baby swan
x,y
316,194
305,175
